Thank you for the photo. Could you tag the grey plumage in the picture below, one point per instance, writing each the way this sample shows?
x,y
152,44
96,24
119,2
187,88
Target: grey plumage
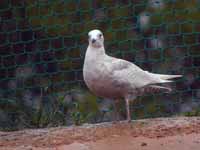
x,y
115,78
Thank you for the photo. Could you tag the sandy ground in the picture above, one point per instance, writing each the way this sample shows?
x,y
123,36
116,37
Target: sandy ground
x,y
150,134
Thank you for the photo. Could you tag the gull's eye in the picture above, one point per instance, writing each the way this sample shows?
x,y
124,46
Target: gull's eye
x,y
100,35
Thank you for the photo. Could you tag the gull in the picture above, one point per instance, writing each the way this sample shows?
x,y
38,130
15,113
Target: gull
x,y
114,78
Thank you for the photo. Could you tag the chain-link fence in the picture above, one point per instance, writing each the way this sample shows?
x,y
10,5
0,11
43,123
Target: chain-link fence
x,y
42,47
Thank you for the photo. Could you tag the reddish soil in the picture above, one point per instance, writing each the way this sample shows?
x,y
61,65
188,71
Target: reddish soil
x,y
150,134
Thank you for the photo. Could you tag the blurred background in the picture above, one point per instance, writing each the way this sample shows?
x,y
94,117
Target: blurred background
x,y
42,48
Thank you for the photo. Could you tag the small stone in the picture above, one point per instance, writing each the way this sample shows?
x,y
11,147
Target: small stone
x,y
144,144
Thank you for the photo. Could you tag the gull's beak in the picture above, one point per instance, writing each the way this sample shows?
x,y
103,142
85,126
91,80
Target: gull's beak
x,y
93,40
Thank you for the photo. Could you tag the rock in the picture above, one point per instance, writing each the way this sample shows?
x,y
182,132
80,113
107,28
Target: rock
x,y
144,144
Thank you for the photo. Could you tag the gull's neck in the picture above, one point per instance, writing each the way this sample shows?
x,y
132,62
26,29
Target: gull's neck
x,y
95,50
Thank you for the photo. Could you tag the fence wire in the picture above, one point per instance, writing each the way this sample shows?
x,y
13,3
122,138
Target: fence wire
x,y
42,47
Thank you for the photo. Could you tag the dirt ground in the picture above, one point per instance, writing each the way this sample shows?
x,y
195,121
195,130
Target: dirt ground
x,y
149,134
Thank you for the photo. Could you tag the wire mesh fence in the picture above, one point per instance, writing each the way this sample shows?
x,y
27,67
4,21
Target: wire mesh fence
x,y
42,47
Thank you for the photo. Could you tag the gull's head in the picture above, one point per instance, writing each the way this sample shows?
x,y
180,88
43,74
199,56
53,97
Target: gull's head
x,y
95,38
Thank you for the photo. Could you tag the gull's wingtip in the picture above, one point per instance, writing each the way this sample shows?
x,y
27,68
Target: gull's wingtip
x,y
168,77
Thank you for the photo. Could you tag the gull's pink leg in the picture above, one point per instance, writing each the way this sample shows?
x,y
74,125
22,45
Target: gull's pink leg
x,y
128,115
